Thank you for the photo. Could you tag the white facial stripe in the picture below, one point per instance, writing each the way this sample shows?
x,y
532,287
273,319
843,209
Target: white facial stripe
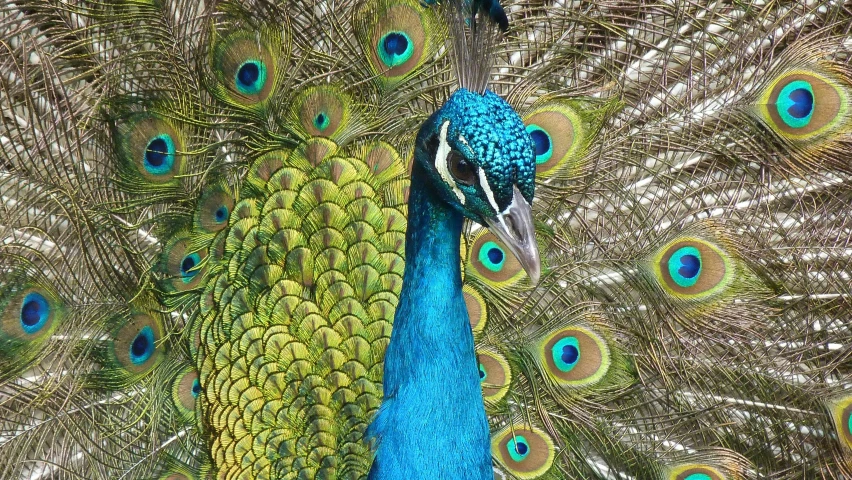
x,y
441,161
489,194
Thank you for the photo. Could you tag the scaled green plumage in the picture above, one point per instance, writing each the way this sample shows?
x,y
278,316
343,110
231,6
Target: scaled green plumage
x,y
202,231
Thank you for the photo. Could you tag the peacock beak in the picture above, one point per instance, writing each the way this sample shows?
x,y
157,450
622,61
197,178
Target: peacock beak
x,y
514,227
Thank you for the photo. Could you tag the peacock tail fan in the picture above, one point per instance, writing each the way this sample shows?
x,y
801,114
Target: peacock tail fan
x,y
203,211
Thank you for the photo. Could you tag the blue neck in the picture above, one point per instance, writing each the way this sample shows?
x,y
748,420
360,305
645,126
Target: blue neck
x,y
432,422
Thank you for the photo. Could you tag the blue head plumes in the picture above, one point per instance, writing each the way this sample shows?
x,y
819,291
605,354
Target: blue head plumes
x,y
481,160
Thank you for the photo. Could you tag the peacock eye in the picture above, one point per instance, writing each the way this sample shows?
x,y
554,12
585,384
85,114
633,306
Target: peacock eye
x,y
462,171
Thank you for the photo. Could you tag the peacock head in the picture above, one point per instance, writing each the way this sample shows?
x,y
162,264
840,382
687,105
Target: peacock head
x,y
480,158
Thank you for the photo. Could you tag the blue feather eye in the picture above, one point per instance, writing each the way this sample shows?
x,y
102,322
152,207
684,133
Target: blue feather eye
x,y
477,308
696,472
245,64
35,312
574,357
692,267
494,375
221,214
541,142
214,209
395,48
841,413
491,262
321,121
188,266
685,266
566,353
518,448
184,268
160,155
134,347
142,346
148,147
323,111
185,391
560,134
802,104
398,36
525,451
492,256
795,104
251,77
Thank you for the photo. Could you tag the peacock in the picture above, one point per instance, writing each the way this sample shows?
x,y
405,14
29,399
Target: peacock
x,y
387,239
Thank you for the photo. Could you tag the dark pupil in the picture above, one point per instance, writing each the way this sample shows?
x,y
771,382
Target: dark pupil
x,y
541,141
248,74
460,168
220,214
521,448
140,345
481,372
157,151
31,313
321,119
570,354
396,44
495,255
691,265
196,388
187,264
804,103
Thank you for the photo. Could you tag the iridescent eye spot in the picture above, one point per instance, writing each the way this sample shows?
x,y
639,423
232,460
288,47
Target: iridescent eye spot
x,y
185,392
187,267
802,104
134,347
525,451
542,144
159,155
395,48
323,110
492,256
696,472
685,266
396,37
492,262
494,375
574,356
321,121
214,210
477,309
698,476
692,267
566,353
518,448
796,104
35,312
845,424
184,267
221,214
558,135
142,346
251,77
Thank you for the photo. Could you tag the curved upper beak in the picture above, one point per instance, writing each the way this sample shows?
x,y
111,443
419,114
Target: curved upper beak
x,y
514,227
